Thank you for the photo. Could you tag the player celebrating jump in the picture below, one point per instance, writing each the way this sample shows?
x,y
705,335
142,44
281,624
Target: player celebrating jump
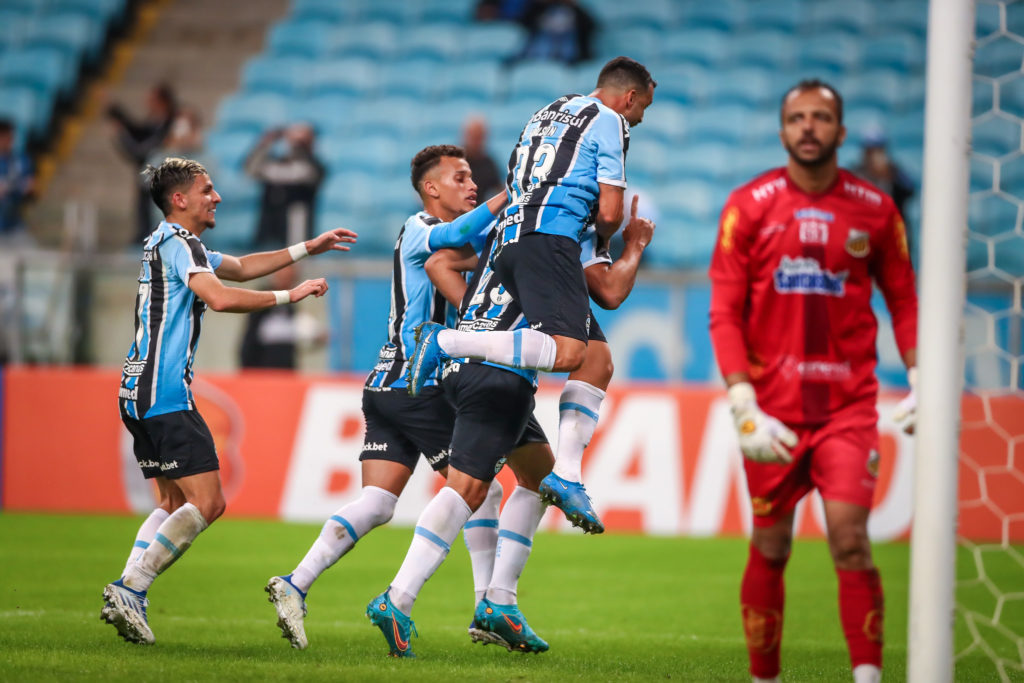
x,y
178,281
794,335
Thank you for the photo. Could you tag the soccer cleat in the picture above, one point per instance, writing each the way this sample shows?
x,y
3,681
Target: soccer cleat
x,y
290,604
571,498
426,356
125,609
396,627
478,634
507,627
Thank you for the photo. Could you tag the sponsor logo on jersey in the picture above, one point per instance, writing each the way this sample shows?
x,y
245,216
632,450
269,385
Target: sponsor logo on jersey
x,y
149,463
129,394
374,446
498,297
729,220
863,193
901,238
762,628
766,190
384,365
813,232
546,132
511,219
150,255
388,352
873,625
873,461
478,325
449,368
762,507
172,465
134,368
536,325
858,243
560,116
439,456
815,370
811,213
806,276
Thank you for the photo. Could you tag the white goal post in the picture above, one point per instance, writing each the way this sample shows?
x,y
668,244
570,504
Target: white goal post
x,y
940,348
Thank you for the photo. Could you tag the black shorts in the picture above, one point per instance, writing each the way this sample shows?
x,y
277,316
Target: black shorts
x,y
594,331
173,445
544,275
492,410
400,427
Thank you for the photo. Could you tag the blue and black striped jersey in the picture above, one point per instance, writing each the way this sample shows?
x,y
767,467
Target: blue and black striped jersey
x,y
565,151
414,299
157,372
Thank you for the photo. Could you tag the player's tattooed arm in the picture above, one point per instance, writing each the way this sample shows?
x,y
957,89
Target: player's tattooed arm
x,y
445,268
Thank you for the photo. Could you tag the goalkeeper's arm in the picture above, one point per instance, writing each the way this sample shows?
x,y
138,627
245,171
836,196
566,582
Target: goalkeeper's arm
x,y
762,437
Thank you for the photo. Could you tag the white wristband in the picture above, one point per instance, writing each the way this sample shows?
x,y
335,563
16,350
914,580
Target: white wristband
x,y
298,251
282,297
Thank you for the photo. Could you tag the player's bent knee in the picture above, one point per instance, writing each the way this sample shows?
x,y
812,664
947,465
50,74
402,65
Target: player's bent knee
x,y
569,357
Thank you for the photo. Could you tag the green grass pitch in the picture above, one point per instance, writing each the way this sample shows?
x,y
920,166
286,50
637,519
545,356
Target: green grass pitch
x,y
613,608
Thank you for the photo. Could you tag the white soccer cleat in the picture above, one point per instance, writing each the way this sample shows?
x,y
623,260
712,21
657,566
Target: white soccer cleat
x,y
291,610
125,610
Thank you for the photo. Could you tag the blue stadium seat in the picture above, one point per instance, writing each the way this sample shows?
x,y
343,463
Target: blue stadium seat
x,y
752,162
235,186
331,11
650,155
650,13
455,11
493,40
540,81
642,43
768,48
829,54
684,84
721,15
230,147
13,27
367,154
438,42
255,113
306,39
415,78
903,15
705,162
356,77
781,15
746,86
236,226
1011,177
23,106
996,136
983,96
906,129
983,175
329,113
998,57
285,76
854,18
879,88
104,10
665,121
472,80
991,215
397,12
1011,95
78,35
376,41
507,123
41,70
902,51
724,124
387,116
705,47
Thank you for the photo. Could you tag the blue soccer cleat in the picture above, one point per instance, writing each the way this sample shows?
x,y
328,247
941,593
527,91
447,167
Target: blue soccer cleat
x,y
290,604
479,634
505,625
426,356
396,627
125,610
571,498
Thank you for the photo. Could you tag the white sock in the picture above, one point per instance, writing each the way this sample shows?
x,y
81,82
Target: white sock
x,y
523,348
518,524
437,527
578,408
481,537
866,673
171,540
145,536
374,507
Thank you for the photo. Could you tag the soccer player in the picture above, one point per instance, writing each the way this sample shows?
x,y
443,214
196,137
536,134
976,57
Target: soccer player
x,y
398,427
567,169
179,279
608,283
794,335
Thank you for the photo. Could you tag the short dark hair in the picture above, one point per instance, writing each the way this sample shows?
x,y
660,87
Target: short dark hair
x,y
429,157
813,84
626,74
6,125
173,175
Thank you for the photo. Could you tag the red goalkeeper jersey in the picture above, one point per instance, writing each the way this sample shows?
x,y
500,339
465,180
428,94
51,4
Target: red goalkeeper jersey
x,y
791,292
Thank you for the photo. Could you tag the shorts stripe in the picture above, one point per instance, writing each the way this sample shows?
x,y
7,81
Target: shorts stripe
x,y
474,523
348,527
513,536
568,405
517,349
433,538
166,542
141,544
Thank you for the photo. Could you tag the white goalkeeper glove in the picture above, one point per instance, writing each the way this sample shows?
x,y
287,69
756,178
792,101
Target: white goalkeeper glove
x,y
762,437
905,414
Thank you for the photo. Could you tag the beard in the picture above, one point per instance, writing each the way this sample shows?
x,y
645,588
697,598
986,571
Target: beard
x,y
826,152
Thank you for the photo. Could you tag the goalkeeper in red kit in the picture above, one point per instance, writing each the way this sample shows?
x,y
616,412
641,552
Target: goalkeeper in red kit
x,y
794,335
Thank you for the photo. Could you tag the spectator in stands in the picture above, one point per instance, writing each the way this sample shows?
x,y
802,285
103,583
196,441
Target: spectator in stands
x,y
274,335
485,171
17,184
879,169
185,137
560,30
137,140
290,183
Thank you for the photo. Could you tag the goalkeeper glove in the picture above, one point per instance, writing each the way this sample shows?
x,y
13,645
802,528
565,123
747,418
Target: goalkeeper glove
x,y
762,437
905,414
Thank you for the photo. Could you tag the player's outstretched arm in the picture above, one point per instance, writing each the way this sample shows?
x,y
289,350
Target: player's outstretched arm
x,y
445,268
610,284
251,266
223,298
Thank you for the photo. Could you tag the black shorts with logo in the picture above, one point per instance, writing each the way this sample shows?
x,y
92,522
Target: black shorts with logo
x,y
173,445
492,410
400,427
544,275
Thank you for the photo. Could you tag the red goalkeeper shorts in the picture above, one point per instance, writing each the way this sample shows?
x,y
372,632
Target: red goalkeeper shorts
x,y
839,458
